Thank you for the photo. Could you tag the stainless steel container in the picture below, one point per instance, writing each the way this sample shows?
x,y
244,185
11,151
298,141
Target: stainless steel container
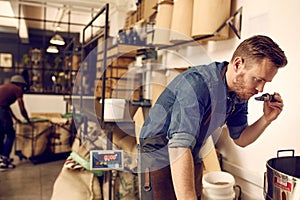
x,y
282,179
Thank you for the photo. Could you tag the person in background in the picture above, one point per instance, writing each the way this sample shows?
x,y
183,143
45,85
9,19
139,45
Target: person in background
x,y
195,104
9,94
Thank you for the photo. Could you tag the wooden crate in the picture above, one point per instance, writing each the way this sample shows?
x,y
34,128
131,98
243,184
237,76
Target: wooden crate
x,y
98,92
116,72
121,61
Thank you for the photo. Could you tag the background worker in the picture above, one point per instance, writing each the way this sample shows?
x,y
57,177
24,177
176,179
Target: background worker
x,y
195,104
9,94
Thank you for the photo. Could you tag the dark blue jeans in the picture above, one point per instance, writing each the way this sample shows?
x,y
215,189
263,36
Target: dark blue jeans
x,y
7,132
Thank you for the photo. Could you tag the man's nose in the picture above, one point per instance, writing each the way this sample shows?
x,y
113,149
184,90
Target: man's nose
x,y
260,87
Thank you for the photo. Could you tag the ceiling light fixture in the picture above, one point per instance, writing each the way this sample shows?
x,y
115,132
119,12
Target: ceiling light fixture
x,y
57,40
52,49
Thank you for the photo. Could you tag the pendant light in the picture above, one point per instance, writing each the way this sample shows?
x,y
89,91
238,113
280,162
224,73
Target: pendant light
x,y
52,49
57,40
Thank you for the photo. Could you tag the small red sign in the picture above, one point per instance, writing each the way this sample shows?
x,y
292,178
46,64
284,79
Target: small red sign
x,y
283,183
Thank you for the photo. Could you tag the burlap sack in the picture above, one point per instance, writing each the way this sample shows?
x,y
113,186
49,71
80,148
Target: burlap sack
x,y
76,185
33,141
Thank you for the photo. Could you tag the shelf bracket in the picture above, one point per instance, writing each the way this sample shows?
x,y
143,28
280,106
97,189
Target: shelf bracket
x,y
230,22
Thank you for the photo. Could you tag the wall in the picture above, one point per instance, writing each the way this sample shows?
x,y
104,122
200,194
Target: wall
x,y
279,20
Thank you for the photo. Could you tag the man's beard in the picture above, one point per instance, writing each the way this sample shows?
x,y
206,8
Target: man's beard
x,y
239,87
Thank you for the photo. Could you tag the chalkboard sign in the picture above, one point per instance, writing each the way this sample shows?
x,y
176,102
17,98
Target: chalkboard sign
x,y
106,159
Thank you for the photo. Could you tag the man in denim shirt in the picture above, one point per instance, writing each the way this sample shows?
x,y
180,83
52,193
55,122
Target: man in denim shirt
x,y
195,104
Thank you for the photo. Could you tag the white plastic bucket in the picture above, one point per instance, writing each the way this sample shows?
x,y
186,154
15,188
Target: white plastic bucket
x,y
218,185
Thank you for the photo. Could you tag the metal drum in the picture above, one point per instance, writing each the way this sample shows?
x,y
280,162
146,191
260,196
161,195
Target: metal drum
x,y
282,179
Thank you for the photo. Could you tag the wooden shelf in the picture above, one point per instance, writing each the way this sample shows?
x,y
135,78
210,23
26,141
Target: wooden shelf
x,y
121,50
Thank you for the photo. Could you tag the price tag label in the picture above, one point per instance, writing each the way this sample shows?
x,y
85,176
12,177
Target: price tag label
x,y
106,160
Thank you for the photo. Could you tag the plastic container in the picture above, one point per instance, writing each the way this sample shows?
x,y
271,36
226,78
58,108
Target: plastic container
x,y
218,185
114,109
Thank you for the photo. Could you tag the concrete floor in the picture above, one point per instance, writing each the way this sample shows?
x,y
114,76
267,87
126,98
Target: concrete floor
x,y
29,181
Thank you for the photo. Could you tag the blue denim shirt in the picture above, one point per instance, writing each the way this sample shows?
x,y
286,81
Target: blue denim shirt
x,y
193,106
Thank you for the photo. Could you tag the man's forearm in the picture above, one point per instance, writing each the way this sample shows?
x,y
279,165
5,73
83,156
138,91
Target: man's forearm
x,y
252,132
23,110
182,169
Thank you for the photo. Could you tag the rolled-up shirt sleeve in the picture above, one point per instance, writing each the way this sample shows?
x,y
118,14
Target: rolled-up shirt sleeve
x,y
182,140
187,112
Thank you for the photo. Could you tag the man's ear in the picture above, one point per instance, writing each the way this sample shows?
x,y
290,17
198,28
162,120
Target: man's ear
x,y
237,63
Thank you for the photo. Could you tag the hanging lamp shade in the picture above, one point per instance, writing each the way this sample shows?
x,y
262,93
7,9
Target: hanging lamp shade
x,y
52,49
57,40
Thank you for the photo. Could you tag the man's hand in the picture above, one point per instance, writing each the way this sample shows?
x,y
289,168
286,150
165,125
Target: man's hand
x,y
253,131
273,109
